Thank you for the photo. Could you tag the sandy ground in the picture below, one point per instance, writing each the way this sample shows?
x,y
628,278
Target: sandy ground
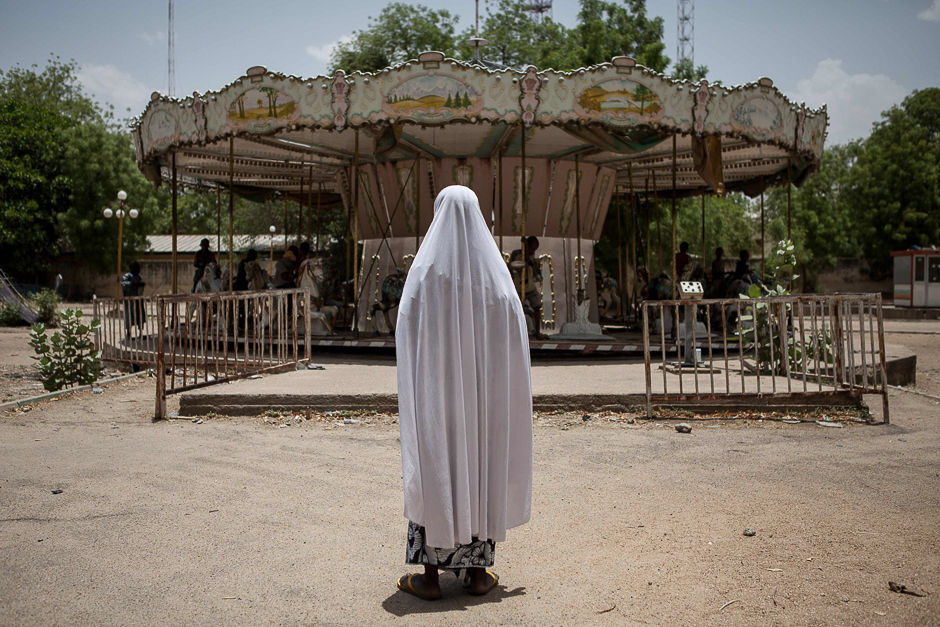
x,y
246,522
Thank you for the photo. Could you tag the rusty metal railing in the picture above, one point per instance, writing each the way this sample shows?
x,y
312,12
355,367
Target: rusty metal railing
x,y
128,331
206,339
765,347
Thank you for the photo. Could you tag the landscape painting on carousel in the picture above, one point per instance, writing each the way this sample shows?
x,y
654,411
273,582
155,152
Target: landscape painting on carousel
x,y
262,109
620,101
432,97
759,117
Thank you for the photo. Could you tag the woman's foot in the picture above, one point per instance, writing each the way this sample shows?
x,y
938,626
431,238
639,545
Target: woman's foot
x,y
424,586
481,581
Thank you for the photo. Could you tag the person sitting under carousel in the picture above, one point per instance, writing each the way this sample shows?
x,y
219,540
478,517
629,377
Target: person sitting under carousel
x,y
532,303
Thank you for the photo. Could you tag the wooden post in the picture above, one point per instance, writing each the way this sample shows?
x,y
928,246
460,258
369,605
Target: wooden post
x,y
175,221
675,272
500,204
577,208
310,207
649,242
159,412
319,211
231,212
620,276
355,240
659,225
218,218
789,199
703,230
763,244
525,246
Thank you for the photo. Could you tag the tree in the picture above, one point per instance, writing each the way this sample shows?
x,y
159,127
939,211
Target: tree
x,y
643,94
33,187
609,29
684,70
895,182
98,164
56,88
400,32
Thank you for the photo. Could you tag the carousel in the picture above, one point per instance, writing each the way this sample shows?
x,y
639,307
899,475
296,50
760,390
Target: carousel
x,y
546,152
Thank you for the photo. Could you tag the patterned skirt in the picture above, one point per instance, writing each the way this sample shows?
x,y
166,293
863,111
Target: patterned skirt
x,y
477,554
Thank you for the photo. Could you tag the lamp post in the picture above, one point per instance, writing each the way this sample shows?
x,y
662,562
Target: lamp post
x,y
108,212
273,229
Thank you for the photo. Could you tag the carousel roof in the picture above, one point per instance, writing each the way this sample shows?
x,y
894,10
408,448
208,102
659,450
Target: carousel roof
x,y
273,132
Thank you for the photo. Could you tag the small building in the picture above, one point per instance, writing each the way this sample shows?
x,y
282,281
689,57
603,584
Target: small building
x,y
916,278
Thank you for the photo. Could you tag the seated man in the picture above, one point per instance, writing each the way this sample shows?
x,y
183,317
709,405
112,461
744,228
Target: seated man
x,y
203,258
529,269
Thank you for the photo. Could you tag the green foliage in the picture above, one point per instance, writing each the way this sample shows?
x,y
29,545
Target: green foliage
x,y
33,188
10,314
686,70
55,88
604,30
46,306
609,29
68,357
399,33
98,163
763,321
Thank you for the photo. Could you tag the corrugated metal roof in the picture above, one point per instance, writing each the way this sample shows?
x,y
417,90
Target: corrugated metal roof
x,y
190,243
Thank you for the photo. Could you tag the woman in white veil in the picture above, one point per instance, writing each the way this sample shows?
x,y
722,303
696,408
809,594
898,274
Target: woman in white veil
x,y
465,400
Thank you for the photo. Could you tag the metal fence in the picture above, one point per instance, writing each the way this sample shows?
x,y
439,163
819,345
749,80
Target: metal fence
x,y
206,339
128,332
755,348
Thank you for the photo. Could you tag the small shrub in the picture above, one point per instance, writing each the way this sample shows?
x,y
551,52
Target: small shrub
x,y
46,305
69,357
10,315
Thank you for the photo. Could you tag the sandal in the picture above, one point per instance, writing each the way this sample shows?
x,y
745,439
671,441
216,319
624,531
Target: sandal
x,y
495,580
404,584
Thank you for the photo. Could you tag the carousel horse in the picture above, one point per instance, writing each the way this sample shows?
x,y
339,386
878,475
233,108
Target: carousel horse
x,y
320,316
392,288
608,293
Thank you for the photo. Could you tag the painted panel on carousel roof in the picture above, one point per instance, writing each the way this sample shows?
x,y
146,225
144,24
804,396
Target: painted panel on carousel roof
x,y
433,96
167,123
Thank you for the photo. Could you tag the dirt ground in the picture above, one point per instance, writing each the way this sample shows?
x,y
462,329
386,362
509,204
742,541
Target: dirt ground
x,y
250,522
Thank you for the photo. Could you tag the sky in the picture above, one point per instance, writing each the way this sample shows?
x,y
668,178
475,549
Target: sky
x,y
859,57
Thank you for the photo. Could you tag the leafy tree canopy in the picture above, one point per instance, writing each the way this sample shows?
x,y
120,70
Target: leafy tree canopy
x,y
399,33
55,88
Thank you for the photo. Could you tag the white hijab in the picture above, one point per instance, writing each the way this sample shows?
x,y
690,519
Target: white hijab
x,y
464,383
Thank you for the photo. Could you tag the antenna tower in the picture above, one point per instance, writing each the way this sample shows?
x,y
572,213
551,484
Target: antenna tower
x,y
539,9
685,32
171,57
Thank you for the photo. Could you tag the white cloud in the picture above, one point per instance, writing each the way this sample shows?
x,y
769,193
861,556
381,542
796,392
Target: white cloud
x,y
323,53
157,37
112,85
932,14
854,101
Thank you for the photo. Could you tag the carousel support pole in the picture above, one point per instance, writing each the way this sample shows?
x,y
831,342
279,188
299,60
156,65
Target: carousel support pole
x,y
355,241
175,219
577,226
763,245
620,276
218,219
525,245
300,213
649,246
631,224
417,171
703,230
789,199
310,207
286,223
500,227
319,210
231,210
675,272
659,225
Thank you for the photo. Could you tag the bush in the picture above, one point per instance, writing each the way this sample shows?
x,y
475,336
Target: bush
x,y
10,315
46,305
68,357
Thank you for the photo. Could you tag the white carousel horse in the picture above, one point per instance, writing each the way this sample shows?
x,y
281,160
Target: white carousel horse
x,y
608,294
320,316
392,288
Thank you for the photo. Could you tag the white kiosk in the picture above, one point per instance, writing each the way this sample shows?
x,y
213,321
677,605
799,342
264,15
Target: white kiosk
x,y
916,278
